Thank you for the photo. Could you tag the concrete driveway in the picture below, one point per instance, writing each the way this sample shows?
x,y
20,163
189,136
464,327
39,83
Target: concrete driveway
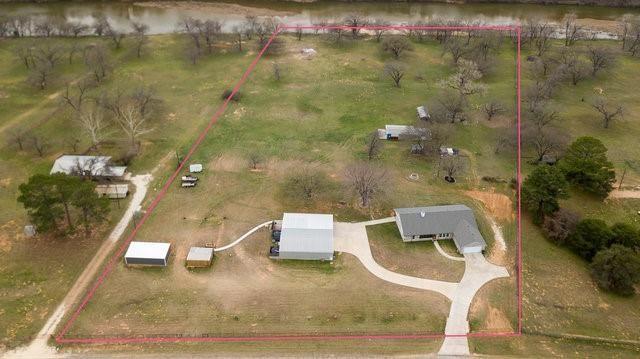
x,y
352,238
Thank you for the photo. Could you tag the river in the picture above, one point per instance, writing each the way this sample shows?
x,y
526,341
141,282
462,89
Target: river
x,y
162,17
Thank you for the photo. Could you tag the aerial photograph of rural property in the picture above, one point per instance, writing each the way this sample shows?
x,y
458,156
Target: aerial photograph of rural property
x,y
320,178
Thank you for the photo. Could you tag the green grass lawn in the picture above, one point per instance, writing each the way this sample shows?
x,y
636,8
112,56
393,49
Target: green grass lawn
x,y
319,115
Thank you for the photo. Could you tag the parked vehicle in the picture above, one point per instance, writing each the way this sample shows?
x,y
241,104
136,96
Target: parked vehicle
x,y
189,179
188,184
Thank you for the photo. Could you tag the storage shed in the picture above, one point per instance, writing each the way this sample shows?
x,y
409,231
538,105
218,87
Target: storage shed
x,y
113,191
306,236
195,168
199,257
147,254
423,114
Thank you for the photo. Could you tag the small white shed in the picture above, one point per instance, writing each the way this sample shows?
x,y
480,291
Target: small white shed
x,y
195,168
147,254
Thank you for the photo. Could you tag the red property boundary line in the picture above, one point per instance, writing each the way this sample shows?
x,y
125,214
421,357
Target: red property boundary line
x,y
60,337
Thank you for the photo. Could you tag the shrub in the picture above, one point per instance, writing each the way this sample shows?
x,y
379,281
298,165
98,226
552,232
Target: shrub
x,y
589,237
625,235
586,165
616,269
559,226
236,97
541,191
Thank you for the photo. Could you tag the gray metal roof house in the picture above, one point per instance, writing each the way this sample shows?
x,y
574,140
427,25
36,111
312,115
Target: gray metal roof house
x,y
455,222
93,166
306,236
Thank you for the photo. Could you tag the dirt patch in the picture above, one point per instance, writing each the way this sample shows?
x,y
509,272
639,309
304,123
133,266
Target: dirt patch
x,y
598,25
9,233
214,8
495,320
498,204
3,95
228,163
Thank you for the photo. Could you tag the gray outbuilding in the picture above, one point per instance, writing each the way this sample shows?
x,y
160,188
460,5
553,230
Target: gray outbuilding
x,y
455,222
199,257
306,236
147,254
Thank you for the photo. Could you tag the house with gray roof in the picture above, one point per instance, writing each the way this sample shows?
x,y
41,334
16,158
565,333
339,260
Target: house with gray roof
x,y
306,236
455,222
98,167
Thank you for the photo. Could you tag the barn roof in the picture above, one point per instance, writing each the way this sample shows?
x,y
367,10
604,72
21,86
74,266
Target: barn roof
x,y
307,232
148,250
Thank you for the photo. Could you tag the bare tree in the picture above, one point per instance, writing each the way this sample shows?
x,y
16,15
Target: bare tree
x,y
608,111
356,22
115,35
97,60
450,107
40,74
77,28
72,49
130,113
306,183
87,112
238,39
487,43
210,30
49,53
192,53
539,35
101,25
298,32
492,109
396,45
452,166
465,79
24,52
574,67
18,137
395,71
40,144
366,181
277,71
45,28
374,145
601,58
191,27
336,34
250,25
140,34
544,141
457,48
255,159
379,28
542,116
572,31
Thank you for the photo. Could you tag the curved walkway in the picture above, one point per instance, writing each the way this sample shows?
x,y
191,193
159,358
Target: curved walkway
x,y
244,236
445,254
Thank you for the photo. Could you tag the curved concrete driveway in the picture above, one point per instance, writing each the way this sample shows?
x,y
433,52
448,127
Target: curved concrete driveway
x,y
244,236
352,238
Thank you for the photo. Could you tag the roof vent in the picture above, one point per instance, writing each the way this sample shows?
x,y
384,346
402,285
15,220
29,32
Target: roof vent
x,y
423,214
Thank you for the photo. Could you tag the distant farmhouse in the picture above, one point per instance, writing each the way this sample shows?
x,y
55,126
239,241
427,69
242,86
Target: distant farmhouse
x,y
95,167
305,236
455,222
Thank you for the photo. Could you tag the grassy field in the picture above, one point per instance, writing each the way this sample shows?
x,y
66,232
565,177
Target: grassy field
x,y
318,115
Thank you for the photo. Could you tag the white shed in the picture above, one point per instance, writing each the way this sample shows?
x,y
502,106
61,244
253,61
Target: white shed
x,y
195,168
306,236
147,253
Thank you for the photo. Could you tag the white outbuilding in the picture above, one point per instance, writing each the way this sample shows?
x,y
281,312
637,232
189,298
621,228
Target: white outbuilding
x,y
306,236
195,168
147,254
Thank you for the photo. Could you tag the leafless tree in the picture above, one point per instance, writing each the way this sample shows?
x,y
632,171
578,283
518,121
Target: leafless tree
x,y
101,25
276,71
608,111
452,166
22,26
374,145
396,45
48,52
238,37
265,29
45,28
465,79
87,112
572,31
306,183
544,140
457,48
439,135
542,116
355,21
492,109
298,31
40,74
251,23
366,181
255,159
380,28
24,52
192,53
191,27
601,58
336,34
395,71
97,60
210,30
450,107
18,137
575,68
539,35
116,36
131,113
40,144
486,43
77,29
73,48
320,26
140,34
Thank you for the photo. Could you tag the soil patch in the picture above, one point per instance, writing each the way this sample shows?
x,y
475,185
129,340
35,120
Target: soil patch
x,y
498,204
214,8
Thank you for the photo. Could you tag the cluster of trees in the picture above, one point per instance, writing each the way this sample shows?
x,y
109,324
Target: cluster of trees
x,y
613,251
585,165
60,203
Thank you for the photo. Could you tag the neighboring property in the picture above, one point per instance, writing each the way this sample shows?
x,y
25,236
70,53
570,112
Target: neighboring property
x,y
96,167
199,257
393,132
195,168
147,254
423,113
113,190
455,222
305,236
